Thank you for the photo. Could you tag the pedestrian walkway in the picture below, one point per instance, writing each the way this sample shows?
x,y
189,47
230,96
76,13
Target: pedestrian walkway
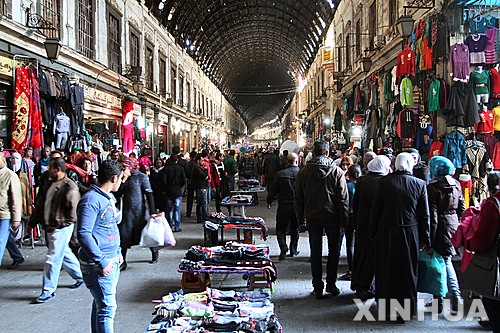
x,y
296,308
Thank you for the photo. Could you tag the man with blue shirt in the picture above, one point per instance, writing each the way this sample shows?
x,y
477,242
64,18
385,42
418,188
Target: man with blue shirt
x,y
100,253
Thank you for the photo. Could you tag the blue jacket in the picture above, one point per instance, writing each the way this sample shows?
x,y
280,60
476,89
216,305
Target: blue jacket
x,y
454,149
97,227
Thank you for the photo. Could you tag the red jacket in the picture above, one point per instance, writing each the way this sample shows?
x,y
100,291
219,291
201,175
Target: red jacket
x,y
214,175
496,157
488,227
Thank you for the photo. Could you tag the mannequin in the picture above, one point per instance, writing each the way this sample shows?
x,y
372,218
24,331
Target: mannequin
x,y
61,129
128,127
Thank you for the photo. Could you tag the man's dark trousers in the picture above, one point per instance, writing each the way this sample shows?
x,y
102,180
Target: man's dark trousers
x,y
332,231
286,216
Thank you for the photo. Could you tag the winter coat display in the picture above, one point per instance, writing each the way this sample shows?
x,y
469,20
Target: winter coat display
x,y
364,248
135,214
446,204
462,108
399,223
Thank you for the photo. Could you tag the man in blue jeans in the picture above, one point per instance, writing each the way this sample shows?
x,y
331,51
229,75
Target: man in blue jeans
x,y
10,203
322,201
100,253
56,211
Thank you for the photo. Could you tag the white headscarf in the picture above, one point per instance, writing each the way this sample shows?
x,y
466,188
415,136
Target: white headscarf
x,y
405,162
16,166
380,164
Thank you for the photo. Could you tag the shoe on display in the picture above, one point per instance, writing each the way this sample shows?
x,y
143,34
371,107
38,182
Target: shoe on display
x,y
16,263
44,298
76,285
333,290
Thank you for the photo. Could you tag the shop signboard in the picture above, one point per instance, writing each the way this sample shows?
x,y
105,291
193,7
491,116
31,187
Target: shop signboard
x,y
100,97
6,66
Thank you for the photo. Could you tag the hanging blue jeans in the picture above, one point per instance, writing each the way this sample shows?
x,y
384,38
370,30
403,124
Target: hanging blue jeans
x,y
174,211
103,290
4,236
59,255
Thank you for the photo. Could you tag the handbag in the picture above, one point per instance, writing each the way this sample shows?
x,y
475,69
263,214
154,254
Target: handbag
x,y
432,274
481,276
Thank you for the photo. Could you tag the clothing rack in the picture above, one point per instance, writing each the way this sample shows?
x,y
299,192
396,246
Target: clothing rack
x,y
23,62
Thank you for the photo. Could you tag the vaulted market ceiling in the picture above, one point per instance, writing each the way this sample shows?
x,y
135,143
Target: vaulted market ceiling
x,y
251,49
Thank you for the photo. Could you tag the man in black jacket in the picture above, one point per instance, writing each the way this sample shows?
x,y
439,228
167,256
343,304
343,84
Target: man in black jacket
x,y
321,199
174,180
271,165
282,187
190,183
199,178
176,151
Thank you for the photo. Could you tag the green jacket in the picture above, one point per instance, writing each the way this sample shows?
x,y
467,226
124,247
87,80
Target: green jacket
x,y
406,92
230,165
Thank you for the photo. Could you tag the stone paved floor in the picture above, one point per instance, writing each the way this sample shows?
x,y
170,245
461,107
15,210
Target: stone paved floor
x,y
297,310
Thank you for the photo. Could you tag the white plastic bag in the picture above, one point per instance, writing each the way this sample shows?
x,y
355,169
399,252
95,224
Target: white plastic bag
x,y
153,234
169,235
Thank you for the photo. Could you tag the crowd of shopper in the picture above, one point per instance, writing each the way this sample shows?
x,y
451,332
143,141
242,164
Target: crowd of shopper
x,y
388,208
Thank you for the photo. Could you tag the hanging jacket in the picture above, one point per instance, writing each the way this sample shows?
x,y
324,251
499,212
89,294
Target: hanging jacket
x,y
406,124
454,149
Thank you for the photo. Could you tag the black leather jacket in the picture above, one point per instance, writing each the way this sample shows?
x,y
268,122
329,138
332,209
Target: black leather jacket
x,y
282,186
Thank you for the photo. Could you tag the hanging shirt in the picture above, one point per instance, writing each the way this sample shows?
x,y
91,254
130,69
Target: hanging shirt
x,y
406,124
406,92
496,119
459,62
405,64
485,124
494,83
436,149
480,81
478,25
434,96
477,44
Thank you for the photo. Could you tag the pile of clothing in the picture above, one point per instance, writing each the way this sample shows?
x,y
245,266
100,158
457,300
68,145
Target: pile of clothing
x,y
219,220
232,257
215,311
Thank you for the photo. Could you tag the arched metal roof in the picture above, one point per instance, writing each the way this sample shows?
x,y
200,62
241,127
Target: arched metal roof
x,y
251,49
